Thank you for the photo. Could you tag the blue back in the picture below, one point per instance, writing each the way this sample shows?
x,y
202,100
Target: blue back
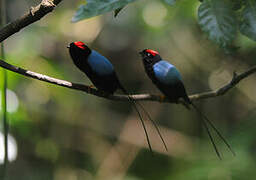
x,y
100,64
166,73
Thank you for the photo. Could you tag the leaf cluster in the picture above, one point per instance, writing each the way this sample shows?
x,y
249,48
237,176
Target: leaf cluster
x,y
221,20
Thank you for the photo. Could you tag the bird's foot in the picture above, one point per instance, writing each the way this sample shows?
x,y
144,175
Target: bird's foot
x,y
90,87
162,98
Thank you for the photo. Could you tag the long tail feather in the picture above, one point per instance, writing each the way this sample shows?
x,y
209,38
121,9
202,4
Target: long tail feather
x,y
212,140
214,128
141,119
155,125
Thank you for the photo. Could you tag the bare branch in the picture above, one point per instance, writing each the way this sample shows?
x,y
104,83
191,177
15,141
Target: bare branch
x,y
139,97
225,88
33,15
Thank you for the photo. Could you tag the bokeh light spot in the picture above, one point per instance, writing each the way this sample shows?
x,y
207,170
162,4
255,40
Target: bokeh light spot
x,y
12,148
12,101
154,14
218,78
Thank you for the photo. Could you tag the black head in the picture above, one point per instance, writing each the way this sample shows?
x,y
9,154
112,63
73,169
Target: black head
x,y
78,50
79,53
150,56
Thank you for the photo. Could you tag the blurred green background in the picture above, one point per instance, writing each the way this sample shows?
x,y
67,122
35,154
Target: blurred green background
x,y
58,133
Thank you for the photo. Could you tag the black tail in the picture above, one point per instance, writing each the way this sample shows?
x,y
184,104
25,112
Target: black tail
x,y
205,121
154,123
141,119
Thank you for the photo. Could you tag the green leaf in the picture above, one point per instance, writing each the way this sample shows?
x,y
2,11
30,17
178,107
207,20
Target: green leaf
x,y
170,2
97,7
248,21
237,4
217,19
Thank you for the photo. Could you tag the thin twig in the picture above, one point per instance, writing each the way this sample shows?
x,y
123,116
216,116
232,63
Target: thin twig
x,y
138,97
33,15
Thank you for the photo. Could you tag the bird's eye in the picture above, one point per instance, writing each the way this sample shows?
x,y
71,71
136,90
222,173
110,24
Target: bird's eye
x,y
149,55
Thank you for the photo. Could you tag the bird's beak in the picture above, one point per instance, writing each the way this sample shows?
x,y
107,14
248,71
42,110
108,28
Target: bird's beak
x,y
142,54
68,46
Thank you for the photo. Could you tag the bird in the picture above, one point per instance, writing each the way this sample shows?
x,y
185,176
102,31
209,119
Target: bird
x,y
103,76
169,81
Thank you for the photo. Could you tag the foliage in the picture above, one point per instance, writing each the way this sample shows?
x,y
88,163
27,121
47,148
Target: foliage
x,y
219,19
97,7
248,20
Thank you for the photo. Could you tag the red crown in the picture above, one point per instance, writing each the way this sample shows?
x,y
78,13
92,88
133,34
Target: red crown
x,y
80,44
152,52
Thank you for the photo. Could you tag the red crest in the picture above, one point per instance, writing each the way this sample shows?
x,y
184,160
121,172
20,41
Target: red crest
x,y
80,44
152,52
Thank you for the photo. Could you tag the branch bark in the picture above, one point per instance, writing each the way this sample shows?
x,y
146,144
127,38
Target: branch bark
x,y
33,15
138,97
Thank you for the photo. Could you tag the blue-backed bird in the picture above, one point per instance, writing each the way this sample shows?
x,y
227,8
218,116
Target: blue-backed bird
x,y
169,81
103,76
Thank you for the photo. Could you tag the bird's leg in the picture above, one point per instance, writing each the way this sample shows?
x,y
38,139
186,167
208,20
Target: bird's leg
x,y
162,98
90,87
